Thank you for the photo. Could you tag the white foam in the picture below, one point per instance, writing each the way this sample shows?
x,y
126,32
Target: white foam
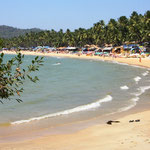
x,y
141,90
69,111
115,62
133,100
133,104
59,57
137,66
56,64
121,63
145,73
137,79
124,87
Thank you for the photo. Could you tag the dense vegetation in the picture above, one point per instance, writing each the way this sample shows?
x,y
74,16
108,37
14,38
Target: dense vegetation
x,y
10,32
135,28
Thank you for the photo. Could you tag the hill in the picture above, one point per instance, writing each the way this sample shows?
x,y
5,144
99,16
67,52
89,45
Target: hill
x,y
9,32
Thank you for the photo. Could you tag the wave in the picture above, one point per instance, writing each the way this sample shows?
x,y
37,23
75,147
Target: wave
x,y
56,64
116,62
59,57
133,104
136,66
133,100
69,111
137,79
121,63
141,90
145,73
98,60
124,87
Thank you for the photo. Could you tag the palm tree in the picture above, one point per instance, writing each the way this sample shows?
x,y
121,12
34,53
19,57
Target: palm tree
x,y
98,32
1,43
113,32
123,29
135,27
147,26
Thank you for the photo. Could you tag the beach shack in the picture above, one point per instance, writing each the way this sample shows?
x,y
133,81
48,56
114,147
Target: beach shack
x,y
98,52
38,48
61,49
72,49
107,50
88,51
118,50
127,47
145,51
135,49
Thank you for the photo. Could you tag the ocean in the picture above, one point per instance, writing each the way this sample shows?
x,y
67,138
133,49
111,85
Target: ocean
x,y
72,90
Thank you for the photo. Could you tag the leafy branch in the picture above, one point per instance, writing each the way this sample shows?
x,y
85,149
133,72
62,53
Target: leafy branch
x,y
12,76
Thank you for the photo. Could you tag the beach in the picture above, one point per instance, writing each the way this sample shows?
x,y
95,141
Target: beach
x,y
118,136
131,61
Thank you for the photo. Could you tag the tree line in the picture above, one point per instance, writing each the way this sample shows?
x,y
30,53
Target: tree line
x,y
135,28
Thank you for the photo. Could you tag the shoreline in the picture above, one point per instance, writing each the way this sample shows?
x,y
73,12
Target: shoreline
x,y
100,136
118,136
145,62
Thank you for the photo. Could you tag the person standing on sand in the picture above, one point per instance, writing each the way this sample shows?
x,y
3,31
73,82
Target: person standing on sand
x,y
140,59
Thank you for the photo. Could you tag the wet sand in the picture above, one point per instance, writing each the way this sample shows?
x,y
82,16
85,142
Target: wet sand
x,y
118,136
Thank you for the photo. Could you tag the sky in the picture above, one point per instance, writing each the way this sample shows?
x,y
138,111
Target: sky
x,y
66,14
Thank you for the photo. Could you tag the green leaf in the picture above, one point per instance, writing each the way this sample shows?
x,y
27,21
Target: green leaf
x,y
36,57
19,100
1,60
2,54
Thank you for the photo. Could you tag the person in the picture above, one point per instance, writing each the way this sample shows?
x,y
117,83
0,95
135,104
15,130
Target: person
x,y
140,59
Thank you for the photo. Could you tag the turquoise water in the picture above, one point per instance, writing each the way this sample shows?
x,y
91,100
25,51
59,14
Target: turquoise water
x,y
76,89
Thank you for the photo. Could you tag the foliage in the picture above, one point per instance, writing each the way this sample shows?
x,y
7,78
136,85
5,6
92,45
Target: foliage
x,y
135,28
12,75
1,43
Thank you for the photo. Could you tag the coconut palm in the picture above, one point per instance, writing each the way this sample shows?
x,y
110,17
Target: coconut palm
x,y
123,28
136,28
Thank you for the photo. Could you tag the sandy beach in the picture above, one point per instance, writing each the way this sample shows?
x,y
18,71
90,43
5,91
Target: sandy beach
x,y
124,135
118,136
145,62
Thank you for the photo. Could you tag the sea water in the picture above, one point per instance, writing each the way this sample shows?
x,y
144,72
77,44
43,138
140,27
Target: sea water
x,y
71,90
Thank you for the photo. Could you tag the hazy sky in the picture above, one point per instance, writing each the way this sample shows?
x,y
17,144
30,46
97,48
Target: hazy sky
x,y
63,14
